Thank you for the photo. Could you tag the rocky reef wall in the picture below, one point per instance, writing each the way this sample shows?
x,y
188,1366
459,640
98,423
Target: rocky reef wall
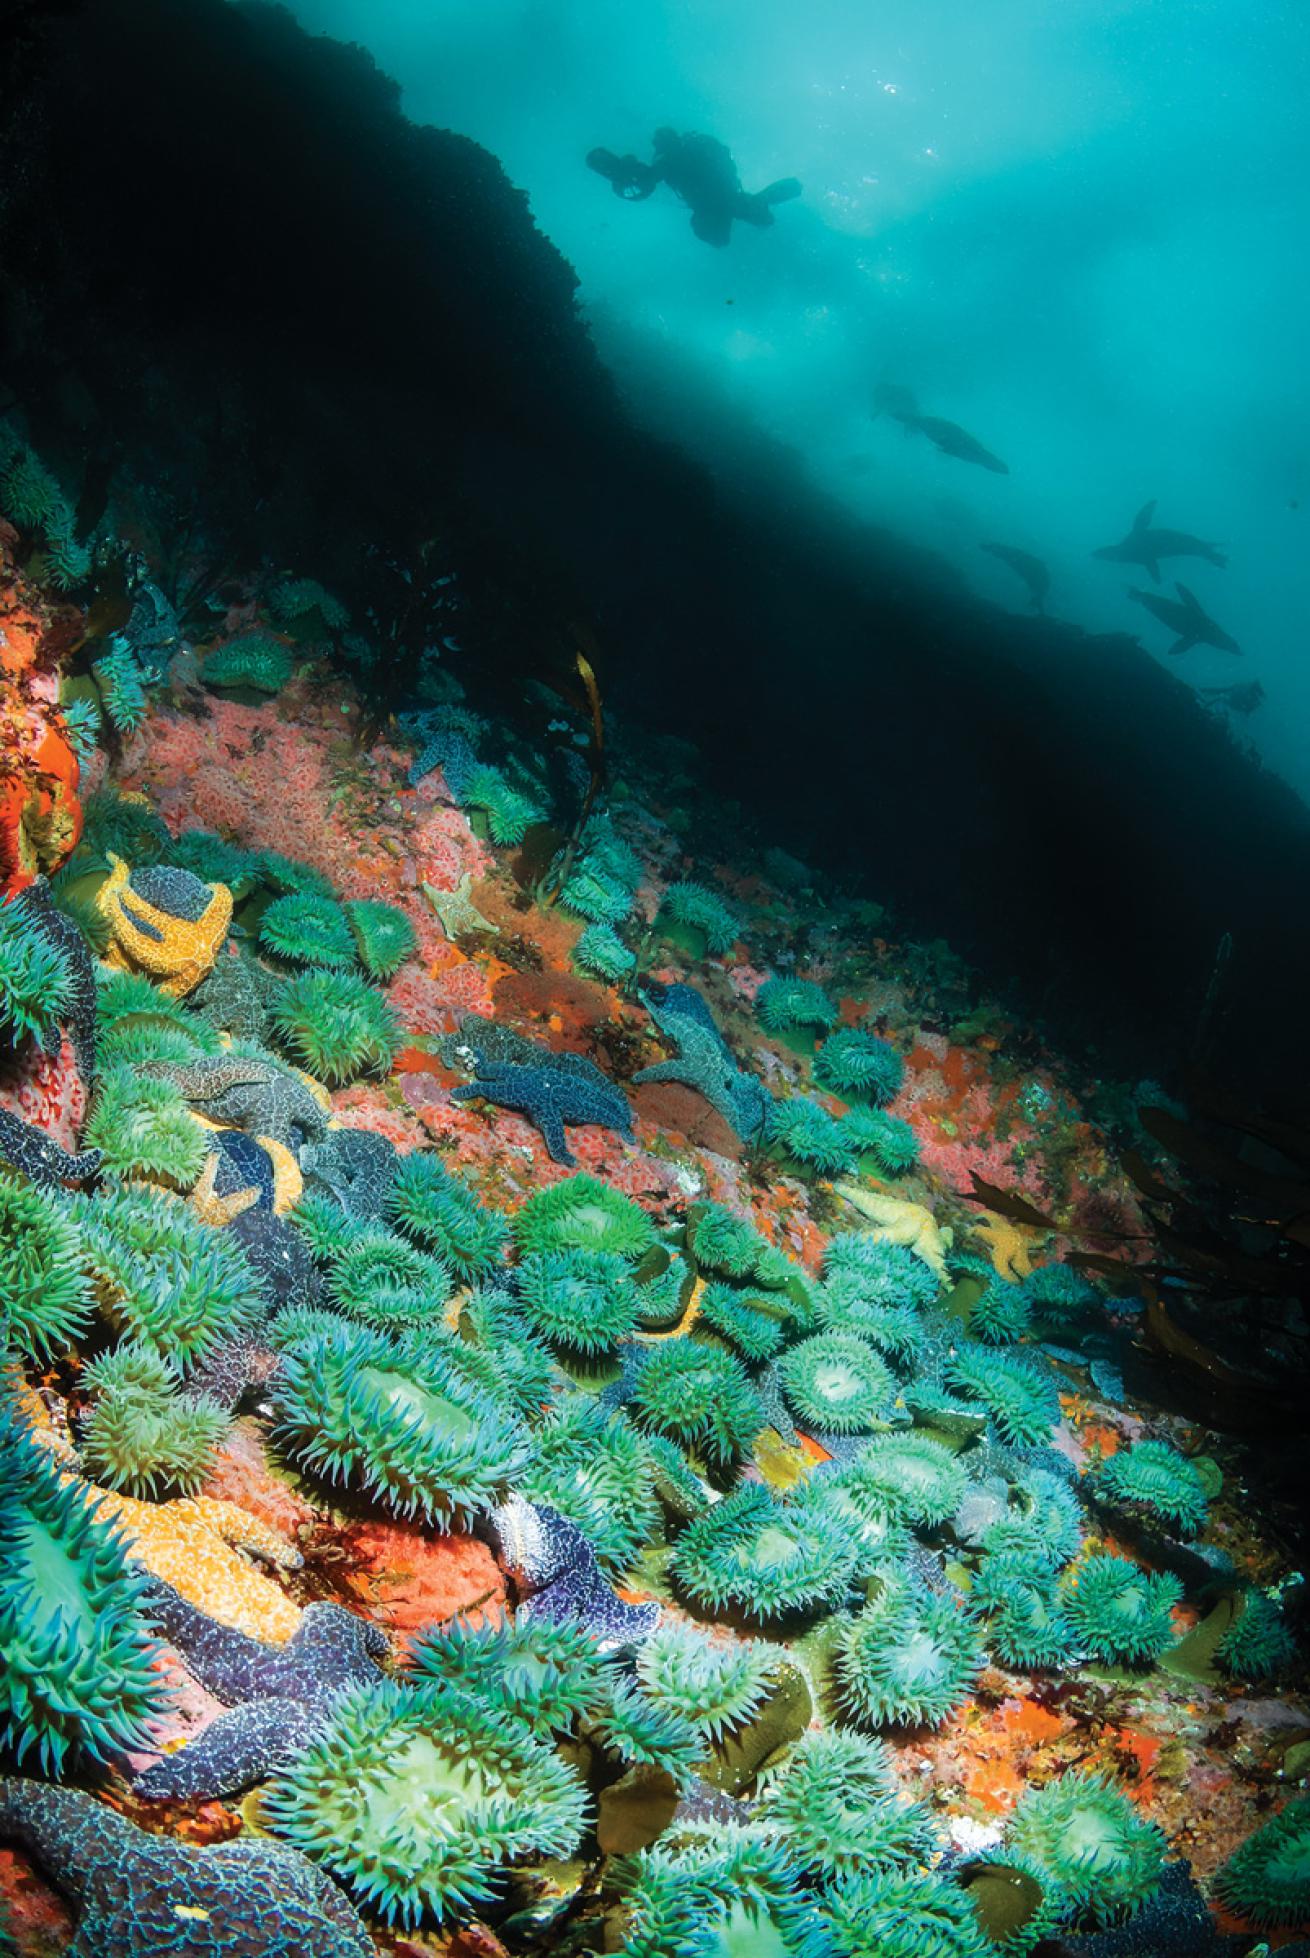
x,y
234,271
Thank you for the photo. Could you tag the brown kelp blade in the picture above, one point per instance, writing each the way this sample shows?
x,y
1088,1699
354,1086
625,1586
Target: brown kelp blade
x,y
1006,1204
1144,1179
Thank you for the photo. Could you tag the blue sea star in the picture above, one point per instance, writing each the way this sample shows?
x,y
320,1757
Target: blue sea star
x,y
144,1896
260,1096
355,1166
704,1060
556,1575
26,1147
557,1089
278,1694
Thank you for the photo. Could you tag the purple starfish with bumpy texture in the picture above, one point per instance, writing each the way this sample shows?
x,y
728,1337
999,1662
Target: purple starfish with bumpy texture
x,y
26,1147
143,1896
556,1575
551,1096
278,1694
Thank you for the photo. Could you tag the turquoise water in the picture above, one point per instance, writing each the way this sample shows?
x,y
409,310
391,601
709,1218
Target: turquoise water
x,y
1077,229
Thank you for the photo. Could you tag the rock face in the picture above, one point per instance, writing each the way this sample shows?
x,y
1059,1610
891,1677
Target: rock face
x,y
335,254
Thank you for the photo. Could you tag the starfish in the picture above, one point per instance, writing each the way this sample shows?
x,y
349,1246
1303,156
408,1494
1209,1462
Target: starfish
x,y
144,1896
550,1096
164,922
897,1222
189,1545
39,1156
355,1166
244,1172
704,1060
556,1575
277,1695
456,909
244,1092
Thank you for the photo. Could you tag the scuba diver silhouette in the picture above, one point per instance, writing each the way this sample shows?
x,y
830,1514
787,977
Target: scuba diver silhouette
x,y
699,170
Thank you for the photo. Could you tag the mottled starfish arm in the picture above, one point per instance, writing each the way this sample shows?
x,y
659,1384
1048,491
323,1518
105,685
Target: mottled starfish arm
x,y
66,1832
237,1750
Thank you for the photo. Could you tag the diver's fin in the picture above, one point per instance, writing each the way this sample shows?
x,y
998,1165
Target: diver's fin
x,y
1142,520
1183,645
781,192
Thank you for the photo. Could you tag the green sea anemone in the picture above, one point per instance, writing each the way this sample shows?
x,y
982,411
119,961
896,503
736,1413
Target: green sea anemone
x,y
903,1914
858,1265
641,1734
138,1434
838,1807
35,979
417,1798
1099,1858
855,1063
883,1538
1001,1315
518,1368
1153,1476
664,1293
386,1283
677,1484
918,1479
78,1682
546,1672
306,929
699,1397
1267,1881
407,1427
693,907
784,1005
909,1658
583,1300
121,825
1258,1644
729,1894
336,1027
583,1214
601,952
145,1130
295,599
590,1464
895,1330
286,874
837,1383
121,683
1028,1626
590,894
1044,1519
608,853
384,937
1121,1612
810,1135
324,1225
720,1242
509,815
754,1322
753,1554
215,861
713,1684
162,1276
1022,1403
891,1142
254,659
45,1299
440,1212
1058,1294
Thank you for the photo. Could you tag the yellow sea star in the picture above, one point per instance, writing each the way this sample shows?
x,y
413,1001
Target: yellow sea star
x,y
175,952
897,1222
1008,1246
194,1544
456,909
